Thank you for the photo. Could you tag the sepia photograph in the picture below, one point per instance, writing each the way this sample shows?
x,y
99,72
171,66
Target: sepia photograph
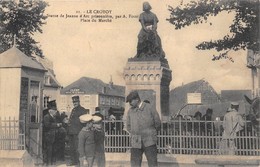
x,y
129,83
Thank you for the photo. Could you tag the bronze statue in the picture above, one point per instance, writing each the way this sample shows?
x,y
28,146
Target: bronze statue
x,y
149,43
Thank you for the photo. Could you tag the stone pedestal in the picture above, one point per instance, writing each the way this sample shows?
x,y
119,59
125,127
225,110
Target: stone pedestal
x,y
151,77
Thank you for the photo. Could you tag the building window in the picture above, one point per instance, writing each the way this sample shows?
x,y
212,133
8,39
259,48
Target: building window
x,y
34,116
117,101
87,98
113,101
107,101
47,80
45,101
63,99
102,100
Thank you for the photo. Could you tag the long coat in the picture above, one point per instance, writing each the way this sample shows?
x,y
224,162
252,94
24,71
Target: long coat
x,y
233,123
49,128
74,123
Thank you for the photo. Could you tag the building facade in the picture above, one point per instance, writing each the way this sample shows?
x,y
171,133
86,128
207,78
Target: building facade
x,y
94,93
51,87
178,97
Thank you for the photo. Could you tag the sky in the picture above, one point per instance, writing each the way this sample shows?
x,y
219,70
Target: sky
x,y
101,49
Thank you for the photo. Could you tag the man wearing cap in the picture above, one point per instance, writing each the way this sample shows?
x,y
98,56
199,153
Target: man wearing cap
x,y
74,127
50,126
232,124
142,122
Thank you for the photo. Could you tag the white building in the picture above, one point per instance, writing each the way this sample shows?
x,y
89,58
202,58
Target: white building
x,y
94,93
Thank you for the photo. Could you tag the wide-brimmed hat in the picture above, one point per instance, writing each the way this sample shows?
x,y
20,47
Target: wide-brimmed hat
x,y
96,119
86,118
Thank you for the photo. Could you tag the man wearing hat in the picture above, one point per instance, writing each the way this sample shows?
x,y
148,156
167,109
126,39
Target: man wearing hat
x,y
142,122
50,104
50,126
232,124
47,118
74,127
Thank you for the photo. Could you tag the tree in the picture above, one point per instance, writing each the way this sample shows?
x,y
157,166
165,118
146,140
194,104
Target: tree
x,y
18,22
244,31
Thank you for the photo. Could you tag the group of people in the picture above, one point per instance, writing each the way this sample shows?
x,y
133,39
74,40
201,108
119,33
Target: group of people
x,y
84,132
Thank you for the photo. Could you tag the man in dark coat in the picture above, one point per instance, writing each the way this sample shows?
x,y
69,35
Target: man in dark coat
x,y
59,149
74,127
45,132
49,130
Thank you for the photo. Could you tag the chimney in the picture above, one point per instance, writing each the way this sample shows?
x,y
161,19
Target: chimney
x,y
111,84
104,90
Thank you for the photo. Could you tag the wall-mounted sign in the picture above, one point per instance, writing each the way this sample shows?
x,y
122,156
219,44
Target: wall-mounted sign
x,y
75,91
193,98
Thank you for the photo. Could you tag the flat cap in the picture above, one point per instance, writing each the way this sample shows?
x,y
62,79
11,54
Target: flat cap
x,y
132,95
86,118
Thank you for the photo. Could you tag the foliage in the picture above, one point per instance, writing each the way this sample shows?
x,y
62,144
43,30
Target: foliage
x,y
244,31
20,21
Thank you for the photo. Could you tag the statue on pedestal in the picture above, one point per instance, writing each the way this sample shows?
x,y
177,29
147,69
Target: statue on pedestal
x,y
149,43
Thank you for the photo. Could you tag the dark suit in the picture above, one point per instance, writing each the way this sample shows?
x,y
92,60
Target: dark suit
x,y
74,128
59,144
49,129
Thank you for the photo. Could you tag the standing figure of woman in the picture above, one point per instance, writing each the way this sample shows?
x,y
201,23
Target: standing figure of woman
x,y
149,42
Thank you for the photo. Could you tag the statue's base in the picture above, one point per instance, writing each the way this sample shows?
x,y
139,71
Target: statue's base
x,y
151,77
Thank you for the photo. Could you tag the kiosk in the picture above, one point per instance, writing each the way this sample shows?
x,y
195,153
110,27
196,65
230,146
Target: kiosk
x,y
21,86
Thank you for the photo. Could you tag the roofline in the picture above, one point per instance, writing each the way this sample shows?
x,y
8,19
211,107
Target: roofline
x,y
34,68
110,95
27,67
52,86
91,94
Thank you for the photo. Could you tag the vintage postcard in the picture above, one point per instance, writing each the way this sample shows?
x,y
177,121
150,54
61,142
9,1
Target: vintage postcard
x,y
96,53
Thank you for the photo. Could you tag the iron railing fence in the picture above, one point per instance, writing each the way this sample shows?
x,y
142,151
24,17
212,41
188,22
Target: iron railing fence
x,y
174,137
12,135
187,137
